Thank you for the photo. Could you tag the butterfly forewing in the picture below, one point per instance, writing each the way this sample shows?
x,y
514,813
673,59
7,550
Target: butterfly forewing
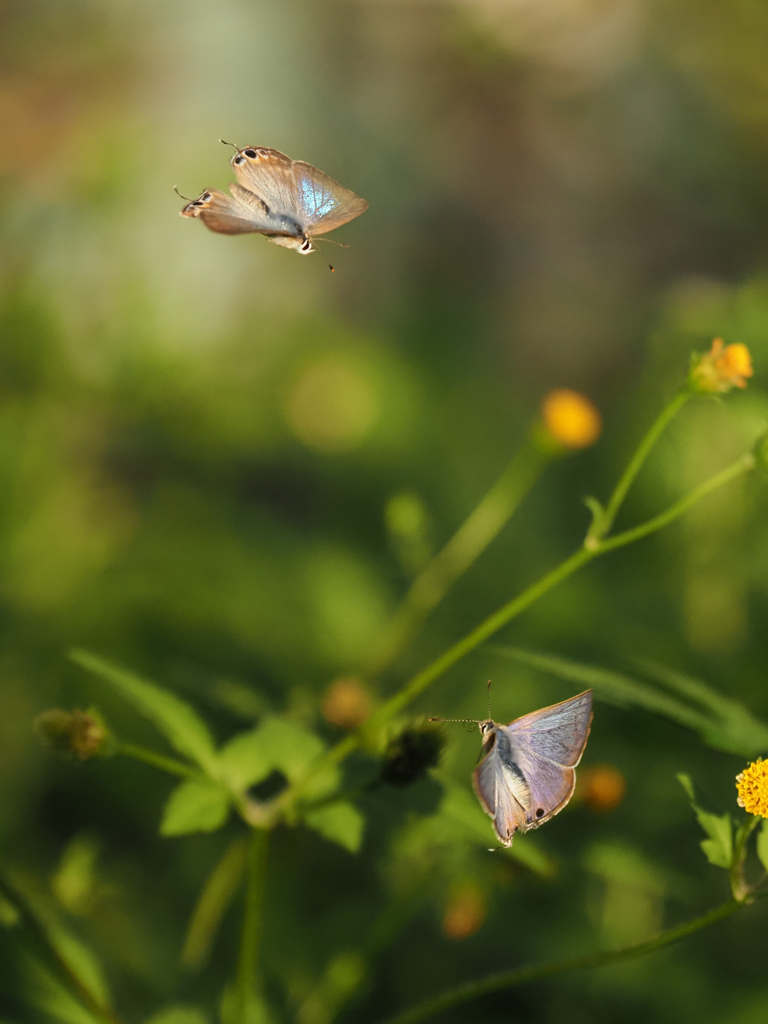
x,y
324,203
269,175
558,733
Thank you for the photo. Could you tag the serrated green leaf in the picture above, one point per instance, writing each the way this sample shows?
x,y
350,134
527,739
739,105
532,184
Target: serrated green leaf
x,y
718,849
196,805
179,1015
762,844
245,760
177,720
277,744
341,822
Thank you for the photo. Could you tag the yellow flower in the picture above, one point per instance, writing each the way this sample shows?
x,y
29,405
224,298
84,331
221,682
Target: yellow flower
x,y
752,785
722,368
571,418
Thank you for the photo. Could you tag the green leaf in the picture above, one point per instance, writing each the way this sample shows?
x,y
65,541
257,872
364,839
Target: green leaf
x,y
179,1015
212,904
197,805
177,720
277,744
762,844
341,822
718,849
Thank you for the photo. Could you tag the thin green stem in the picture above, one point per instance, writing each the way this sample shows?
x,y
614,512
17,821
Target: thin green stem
x,y
739,885
248,983
165,764
42,942
422,680
474,535
510,979
603,523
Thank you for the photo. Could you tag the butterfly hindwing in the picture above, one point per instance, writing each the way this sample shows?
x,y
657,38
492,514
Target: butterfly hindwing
x,y
502,790
238,214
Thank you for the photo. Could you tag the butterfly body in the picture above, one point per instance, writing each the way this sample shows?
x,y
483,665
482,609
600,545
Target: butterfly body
x,y
527,773
287,201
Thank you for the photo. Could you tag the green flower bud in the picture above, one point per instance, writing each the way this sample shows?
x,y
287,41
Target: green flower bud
x,y
80,734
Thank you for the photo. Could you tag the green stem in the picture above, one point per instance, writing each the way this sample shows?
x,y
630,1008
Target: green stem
x,y
474,535
603,523
422,680
248,985
41,940
739,886
509,979
165,764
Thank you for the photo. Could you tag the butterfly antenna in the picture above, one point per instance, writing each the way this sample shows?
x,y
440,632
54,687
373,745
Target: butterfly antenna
x,y
330,265
181,196
465,721
236,148
490,717
332,241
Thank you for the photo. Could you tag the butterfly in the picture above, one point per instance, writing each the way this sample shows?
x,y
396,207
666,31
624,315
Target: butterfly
x,y
527,772
286,200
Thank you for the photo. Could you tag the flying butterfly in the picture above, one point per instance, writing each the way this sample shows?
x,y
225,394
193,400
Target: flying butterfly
x,y
527,773
288,201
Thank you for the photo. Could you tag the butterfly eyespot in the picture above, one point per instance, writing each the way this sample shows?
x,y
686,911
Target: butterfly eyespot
x,y
239,160
251,153
206,197
539,812
197,202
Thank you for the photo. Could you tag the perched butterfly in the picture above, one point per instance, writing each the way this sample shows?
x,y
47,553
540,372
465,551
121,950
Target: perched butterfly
x,y
286,200
527,772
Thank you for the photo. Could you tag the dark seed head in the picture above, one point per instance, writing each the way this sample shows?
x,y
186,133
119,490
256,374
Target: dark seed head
x,y
410,754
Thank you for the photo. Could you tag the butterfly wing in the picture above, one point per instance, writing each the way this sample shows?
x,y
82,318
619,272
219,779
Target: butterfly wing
x,y
241,213
269,175
324,204
501,787
546,746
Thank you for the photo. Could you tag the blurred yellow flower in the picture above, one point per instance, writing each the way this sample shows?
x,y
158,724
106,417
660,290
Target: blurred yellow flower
x,y
601,787
722,368
752,785
464,913
571,418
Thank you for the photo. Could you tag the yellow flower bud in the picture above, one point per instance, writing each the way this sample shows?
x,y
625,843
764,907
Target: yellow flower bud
x,y
720,369
347,703
571,418
752,785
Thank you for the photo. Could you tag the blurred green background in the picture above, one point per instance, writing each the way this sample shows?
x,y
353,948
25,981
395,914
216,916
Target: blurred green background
x,y
200,435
